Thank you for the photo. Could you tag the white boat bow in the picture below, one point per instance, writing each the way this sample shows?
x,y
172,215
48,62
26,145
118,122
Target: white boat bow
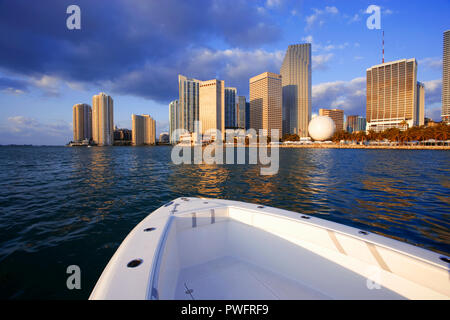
x,y
193,248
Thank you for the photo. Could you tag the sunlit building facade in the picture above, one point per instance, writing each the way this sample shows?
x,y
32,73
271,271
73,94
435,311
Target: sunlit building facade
x,y
102,120
143,130
392,95
446,79
82,122
212,107
174,121
297,89
266,103
420,104
188,100
336,114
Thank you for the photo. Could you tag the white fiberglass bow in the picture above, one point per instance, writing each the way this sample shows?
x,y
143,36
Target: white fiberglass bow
x,y
195,248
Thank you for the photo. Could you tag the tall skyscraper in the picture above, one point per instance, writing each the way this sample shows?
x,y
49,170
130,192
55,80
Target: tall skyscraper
x,y
392,95
143,130
230,108
241,112
174,121
446,79
266,102
188,100
335,114
247,115
420,104
102,120
356,124
296,81
212,106
82,122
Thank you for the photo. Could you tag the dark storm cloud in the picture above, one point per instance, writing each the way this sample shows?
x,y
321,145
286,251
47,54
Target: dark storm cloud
x,y
146,43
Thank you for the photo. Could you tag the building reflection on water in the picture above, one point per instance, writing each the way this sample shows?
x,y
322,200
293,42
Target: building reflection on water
x,y
350,187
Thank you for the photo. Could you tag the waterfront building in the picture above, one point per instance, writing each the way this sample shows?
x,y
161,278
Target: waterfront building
x,y
446,79
356,124
392,95
188,100
174,121
102,120
230,108
241,108
266,102
82,122
164,137
212,106
420,104
430,123
337,115
296,82
247,115
122,134
143,130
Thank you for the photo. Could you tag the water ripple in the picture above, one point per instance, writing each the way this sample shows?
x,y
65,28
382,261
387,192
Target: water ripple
x,y
62,206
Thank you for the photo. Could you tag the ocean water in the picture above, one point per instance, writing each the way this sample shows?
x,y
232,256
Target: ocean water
x,y
63,206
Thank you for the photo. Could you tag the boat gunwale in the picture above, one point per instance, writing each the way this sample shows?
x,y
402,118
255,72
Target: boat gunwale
x,y
168,213
337,228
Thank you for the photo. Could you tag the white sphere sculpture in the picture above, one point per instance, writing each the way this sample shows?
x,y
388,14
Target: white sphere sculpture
x,y
321,128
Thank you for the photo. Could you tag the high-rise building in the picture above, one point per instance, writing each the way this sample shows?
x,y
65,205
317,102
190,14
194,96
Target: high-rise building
x,y
446,79
188,100
143,130
420,104
296,81
174,121
212,106
122,134
241,112
392,95
266,102
82,122
336,114
356,124
247,115
230,108
164,137
102,120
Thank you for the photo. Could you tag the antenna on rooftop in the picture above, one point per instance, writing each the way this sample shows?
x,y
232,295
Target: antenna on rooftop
x,y
383,46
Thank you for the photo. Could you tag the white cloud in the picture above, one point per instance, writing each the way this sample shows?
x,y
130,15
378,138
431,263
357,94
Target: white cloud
x,y
320,15
319,62
273,3
318,47
11,90
332,10
347,95
30,127
431,63
49,85
433,91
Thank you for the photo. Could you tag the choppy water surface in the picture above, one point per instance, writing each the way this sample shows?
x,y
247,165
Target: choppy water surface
x,y
61,206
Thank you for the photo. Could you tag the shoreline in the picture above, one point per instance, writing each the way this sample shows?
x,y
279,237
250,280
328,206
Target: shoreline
x,y
333,146
306,146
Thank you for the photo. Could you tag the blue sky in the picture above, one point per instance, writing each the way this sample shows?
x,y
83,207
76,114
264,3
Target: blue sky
x,y
134,50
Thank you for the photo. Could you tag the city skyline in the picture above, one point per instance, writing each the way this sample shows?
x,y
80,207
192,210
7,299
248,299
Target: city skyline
x,y
342,49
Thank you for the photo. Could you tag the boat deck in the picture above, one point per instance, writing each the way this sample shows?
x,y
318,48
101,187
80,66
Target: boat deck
x,y
230,278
